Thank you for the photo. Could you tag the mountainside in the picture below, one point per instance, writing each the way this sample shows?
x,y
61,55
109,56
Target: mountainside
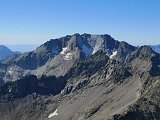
x,y
82,77
57,56
6,52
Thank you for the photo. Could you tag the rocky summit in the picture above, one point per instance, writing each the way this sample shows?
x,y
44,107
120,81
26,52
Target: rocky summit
x,y
81,77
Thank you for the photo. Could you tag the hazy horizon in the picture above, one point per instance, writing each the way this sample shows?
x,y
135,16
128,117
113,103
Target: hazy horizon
x,y
35,22
22,47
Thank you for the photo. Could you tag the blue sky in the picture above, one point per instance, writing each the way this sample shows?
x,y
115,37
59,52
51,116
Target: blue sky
x,y
36,21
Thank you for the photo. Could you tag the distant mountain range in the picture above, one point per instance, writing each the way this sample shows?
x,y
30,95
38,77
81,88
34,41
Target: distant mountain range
x,y
156,48
6,52
81,77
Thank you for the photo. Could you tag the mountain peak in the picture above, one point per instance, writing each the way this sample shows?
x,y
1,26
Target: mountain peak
x,y
123,50
62,53
145,52
146,49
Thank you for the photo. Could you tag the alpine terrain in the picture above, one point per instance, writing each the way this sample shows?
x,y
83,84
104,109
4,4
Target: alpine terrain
x,y
81,77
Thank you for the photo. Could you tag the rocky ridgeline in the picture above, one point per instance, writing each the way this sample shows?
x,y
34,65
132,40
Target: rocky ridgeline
x,y
84,76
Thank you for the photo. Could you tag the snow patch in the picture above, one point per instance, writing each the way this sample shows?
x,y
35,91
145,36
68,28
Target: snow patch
x,y
63,50
94,51
113,54
53,114
10,89
66,55
10,72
